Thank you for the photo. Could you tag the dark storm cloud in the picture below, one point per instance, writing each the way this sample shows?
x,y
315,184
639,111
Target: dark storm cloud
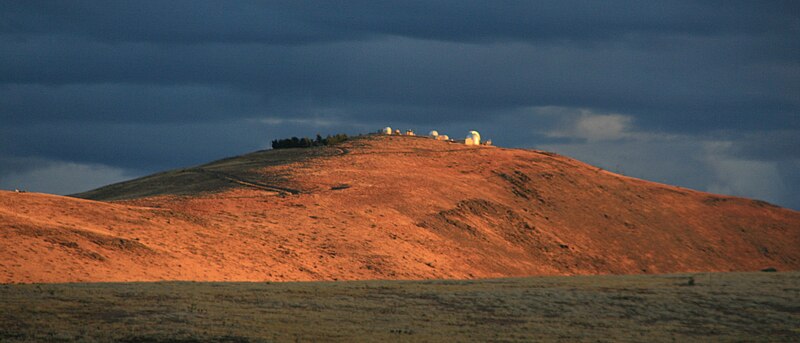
x,y
298,22
168,22
774,145
134,146
683,89
150,85
122,103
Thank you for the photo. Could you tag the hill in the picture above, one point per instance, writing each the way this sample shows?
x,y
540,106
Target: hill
x,y
387,207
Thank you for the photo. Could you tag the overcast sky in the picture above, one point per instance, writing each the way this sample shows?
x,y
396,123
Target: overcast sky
x,y
704,95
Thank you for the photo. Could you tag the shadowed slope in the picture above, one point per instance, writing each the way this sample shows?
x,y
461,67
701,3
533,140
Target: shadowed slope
x,y
211,177
390,207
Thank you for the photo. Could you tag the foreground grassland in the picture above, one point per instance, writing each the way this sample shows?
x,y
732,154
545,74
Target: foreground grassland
x,y
696,307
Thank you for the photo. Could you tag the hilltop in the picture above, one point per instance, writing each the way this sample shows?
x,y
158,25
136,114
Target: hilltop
x,y
387,207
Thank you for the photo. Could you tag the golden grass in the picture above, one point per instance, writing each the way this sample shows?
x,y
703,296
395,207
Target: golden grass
x,y
717,307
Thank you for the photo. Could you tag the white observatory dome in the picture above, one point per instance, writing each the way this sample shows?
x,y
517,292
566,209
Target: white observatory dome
x,y
475,137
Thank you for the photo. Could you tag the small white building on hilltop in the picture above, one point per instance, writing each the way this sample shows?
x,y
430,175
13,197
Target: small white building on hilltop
x,y
473,138
434,134
387,130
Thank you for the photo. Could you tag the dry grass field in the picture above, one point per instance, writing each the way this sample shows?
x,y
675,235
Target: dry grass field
x,y
642,308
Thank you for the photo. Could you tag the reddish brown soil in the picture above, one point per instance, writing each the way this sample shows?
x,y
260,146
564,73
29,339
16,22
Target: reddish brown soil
x,y
395,208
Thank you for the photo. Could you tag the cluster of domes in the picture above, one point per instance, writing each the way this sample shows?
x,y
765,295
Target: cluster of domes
x,y
473,137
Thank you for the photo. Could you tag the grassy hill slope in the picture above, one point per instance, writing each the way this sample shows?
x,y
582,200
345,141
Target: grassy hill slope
x,y
387,207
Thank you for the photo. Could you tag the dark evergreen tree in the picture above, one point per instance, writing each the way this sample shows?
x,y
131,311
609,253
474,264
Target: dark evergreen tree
x,y
306,142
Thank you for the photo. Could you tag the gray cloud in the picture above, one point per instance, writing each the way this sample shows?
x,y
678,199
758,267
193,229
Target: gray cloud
x,y
694,94
59,177
298,22
126,103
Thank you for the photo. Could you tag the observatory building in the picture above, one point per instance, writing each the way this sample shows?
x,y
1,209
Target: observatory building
x,y
473,138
